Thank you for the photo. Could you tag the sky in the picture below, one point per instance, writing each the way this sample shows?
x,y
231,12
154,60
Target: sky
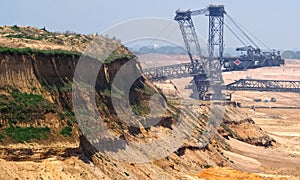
x,y
275,22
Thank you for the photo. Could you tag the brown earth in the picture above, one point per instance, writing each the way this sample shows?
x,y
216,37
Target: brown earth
x,y
282,125
78,160
49,76
229,174
31,37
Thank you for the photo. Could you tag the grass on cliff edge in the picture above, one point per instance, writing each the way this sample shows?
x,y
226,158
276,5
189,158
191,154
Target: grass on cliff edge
x,y
22,134
23,107
29,51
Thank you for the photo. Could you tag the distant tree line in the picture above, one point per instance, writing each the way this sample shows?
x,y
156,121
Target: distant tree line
x,y
291,54
162,50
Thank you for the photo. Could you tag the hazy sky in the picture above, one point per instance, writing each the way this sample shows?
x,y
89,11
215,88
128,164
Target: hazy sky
x,y
274,22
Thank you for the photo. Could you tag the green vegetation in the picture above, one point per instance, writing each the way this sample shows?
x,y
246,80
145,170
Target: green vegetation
x,y
291,54
22,36
25,134
119,94
110,59
71,116
146,90
51,88
69,123
1,137
232,134
3,106
139,109
175,115
200,130
22,106
27,99
15,28
83,40
207,166
106,92
66,131
67,87
44,29
28,51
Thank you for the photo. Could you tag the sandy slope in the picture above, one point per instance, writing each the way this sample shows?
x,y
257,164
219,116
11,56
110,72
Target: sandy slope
x,y
71,168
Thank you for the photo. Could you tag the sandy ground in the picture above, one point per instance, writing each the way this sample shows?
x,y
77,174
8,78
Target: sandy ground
x,y
284,126
282,160
71,168
252,158
281,124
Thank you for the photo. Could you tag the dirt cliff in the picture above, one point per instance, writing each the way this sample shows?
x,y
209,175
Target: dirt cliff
x,y
37,122
36,95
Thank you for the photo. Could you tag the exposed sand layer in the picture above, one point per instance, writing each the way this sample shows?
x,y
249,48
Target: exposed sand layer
x,y
281,124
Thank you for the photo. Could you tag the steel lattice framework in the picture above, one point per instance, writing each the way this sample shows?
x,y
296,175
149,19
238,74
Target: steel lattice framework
x,y
216,29
207,76
207,71
173,71
264,85
189,35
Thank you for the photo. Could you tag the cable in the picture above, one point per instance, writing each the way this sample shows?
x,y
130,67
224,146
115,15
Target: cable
x,y
229,28
238,33
160,33
262,43
233,21
242,31
174,28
